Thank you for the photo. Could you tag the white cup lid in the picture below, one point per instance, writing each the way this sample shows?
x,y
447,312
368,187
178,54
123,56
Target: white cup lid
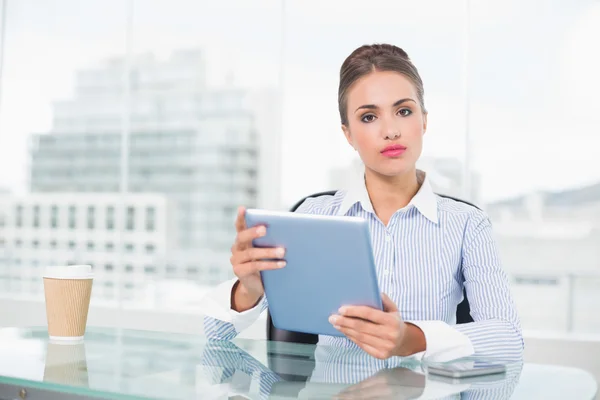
x,y
69,272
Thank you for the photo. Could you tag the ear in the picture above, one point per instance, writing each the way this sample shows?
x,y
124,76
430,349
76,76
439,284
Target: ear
x,y
425,122
348,135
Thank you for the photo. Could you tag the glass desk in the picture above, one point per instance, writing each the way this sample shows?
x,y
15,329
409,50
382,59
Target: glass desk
x,y
125,364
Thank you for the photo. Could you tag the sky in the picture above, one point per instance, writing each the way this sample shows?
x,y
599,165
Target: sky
x,y
534,112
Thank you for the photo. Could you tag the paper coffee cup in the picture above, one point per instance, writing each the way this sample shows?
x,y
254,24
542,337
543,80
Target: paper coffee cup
x,y
66,364
68,290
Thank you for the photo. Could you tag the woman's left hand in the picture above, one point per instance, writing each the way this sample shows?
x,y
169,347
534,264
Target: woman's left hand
x,y
382,334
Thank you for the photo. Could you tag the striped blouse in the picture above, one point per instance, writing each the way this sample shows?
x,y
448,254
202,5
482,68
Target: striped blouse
x,y
428,253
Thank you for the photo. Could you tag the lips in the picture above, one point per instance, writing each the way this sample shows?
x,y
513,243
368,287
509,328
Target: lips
x,y
393,150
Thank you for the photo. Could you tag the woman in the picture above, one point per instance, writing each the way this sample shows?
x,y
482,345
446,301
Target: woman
x,y
427,248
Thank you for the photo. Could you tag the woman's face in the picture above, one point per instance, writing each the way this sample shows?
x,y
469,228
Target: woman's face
x,y
385,123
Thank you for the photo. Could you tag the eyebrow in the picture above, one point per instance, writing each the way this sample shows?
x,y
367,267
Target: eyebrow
x,y
374,107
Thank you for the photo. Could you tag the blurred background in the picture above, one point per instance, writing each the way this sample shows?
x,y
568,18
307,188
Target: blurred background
x,y
130,131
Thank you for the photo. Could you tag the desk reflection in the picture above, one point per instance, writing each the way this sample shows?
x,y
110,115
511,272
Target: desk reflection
x,y
340,373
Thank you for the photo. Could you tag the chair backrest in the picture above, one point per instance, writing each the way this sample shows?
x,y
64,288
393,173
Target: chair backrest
x,y
463,311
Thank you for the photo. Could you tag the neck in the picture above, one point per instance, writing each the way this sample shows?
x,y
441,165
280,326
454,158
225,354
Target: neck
x,y
389,194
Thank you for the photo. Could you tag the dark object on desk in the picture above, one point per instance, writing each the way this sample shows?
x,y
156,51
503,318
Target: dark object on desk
x,y
463,311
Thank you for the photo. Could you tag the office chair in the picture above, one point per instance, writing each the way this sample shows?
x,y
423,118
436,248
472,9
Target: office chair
x,y
463,311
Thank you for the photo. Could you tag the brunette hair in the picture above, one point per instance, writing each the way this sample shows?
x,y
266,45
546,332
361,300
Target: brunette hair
x,y
376,57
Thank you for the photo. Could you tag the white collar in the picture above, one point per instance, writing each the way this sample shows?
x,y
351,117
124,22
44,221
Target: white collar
x,y
425,200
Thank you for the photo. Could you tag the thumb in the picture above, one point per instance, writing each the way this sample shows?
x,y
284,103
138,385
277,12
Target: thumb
x,y
388,304
240,221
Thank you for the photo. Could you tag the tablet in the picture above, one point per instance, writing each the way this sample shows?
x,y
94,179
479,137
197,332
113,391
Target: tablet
x,y
329,264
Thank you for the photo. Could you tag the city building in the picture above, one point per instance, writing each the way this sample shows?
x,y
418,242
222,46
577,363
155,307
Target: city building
x,y
127,240
549,246
198,146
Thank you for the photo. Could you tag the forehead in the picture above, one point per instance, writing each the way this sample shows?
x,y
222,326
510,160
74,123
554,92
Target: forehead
x,y
380,88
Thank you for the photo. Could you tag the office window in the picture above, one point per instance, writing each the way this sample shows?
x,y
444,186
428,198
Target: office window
x,y
150,248
54,217
53,244
109,246
192,270
108,267
150,219
2,242
110,218
171,270
228,212
130,219
15,283
72,217
18,243
91,217
129,268
214,272
19,216
149,269
36,216
129,247
72,245
536,280
35,244
90,245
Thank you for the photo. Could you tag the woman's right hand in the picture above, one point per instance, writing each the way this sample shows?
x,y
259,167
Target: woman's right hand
x,y
247,263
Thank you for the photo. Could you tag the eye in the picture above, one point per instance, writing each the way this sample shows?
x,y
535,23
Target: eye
x,y
368,118
405,112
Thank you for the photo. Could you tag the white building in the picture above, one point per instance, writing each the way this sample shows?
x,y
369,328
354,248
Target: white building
x,y
198,146
195,144
549,246
127,240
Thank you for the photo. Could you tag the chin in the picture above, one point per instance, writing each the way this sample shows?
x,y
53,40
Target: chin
x,y
395,171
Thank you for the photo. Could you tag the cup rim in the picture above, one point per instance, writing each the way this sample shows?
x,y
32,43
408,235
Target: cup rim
x,y
68,272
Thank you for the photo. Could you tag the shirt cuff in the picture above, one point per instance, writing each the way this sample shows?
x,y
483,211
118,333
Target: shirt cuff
x,y
443,342
217,304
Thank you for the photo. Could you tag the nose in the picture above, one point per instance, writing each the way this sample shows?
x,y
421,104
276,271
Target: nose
x,y
392,135
389,129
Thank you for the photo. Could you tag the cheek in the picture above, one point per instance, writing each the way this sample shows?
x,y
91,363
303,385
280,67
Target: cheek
x,y
364,136
414,130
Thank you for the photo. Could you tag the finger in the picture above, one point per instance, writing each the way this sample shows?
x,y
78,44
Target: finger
x,y
388,304
240,221
390,331
244,238
379,390
258,254
371,388
356,324
368,339
366,384
245,269
371,350
366,313
258,266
